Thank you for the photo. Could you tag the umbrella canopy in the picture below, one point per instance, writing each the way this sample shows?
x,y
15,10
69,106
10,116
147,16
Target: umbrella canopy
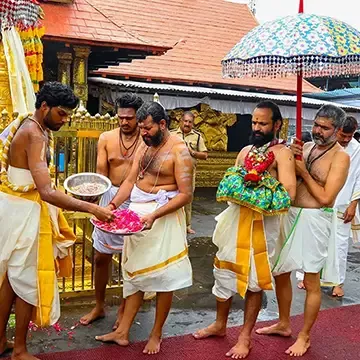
x,y
315,45
21,13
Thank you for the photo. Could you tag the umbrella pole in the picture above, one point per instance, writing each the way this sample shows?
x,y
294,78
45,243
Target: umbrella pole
x,y
299,105
299,90
301,6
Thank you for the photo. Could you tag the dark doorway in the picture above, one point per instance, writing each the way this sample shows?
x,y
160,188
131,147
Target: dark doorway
x,y
239,133
92,105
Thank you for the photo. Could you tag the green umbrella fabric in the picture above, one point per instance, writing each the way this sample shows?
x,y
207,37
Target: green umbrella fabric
x,y
317,45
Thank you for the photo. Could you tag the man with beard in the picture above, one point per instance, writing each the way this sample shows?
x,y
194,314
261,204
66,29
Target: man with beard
x,y
309,228
35,237
116,150
346,204
259,188
156,260
196,145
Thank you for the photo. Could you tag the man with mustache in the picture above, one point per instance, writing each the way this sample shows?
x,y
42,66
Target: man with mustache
x,y
116,150
259,188
309,228
196,145
346,202
156,260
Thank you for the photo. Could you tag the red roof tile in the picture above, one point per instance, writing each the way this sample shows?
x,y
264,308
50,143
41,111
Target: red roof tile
x,y
81,22
204,30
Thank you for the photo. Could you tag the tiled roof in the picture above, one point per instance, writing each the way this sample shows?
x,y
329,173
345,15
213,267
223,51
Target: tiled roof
x,y
203,31
82,22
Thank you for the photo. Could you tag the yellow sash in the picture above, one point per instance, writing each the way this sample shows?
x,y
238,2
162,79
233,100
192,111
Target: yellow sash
x,y
251,234
46,266
47,235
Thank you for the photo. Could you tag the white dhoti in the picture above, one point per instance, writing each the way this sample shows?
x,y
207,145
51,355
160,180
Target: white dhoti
x,y
308,243
156,260
343,234
247,248
34,234
349,193
103,242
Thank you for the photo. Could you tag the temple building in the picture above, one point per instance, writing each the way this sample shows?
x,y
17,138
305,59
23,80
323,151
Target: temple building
x,y
165,50
171,50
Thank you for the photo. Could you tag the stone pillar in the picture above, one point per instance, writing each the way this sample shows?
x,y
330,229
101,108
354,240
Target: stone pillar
x,y
80,71
5,95
64,67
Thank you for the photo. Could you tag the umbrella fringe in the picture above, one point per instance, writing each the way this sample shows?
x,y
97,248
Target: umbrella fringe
x,y
277,66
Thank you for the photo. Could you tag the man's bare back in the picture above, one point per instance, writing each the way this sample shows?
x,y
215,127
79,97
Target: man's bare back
x,y
114,161
319,171
159,167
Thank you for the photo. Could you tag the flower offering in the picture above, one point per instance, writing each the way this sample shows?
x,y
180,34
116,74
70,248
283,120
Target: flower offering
x,y
125,221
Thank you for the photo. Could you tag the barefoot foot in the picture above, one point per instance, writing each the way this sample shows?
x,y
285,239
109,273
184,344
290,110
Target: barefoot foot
x,y
23,356
241,349
93,315
300,347
153,345
276,329
338,291
5,345
190,231
301,285
215,329
119,338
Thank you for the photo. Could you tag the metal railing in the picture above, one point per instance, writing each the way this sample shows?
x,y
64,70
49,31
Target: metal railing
x,y
76,151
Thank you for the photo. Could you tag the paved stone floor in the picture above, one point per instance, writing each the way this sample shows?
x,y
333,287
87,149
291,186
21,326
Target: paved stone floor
x,y
193,308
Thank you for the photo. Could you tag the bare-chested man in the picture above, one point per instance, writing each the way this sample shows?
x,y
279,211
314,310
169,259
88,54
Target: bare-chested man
x,y
247,231
116,151
35,236
309,227
155,260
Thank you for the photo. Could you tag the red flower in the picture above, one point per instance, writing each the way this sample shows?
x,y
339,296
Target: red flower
x,y
252,177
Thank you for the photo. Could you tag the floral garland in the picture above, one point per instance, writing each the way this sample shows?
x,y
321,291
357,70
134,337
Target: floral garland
x,y
25,16
33,50
257,161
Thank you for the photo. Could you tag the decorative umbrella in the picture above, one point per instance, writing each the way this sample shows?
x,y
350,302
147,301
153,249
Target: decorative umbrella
x,y
303,45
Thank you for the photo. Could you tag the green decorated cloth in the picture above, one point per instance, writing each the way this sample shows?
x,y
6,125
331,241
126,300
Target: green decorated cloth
x,y
268,196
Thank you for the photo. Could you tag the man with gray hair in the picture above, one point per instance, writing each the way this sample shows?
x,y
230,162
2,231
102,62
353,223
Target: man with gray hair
x,y
346,205
309,228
